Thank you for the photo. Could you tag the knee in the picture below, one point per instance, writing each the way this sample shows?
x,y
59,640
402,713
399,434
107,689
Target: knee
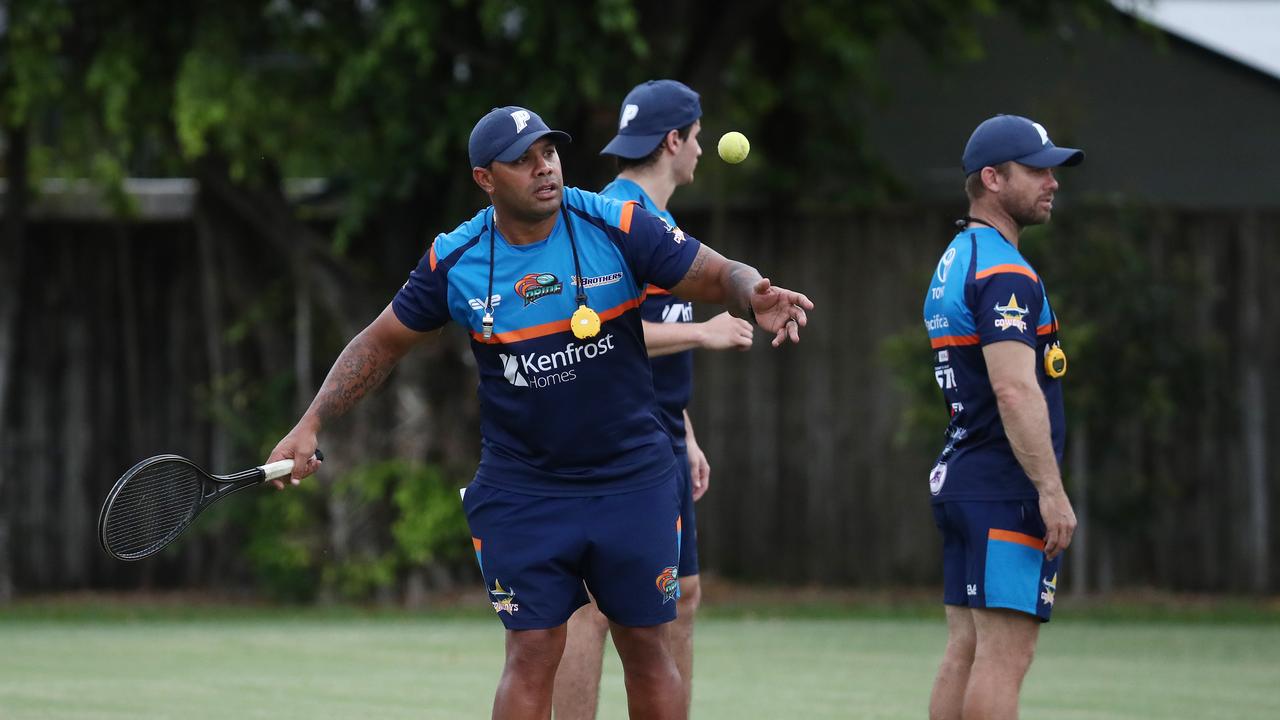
x,y
535,652
589,620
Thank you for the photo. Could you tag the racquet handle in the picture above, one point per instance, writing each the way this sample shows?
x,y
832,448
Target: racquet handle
x,y
281,468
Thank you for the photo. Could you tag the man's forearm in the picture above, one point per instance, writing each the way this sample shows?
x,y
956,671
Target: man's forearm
x,y
670,338
1025,417
739,283
363,365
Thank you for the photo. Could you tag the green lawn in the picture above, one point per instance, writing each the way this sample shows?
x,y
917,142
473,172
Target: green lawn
x,y
317,664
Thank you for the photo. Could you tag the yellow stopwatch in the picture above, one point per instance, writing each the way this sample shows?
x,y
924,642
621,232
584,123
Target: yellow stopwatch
x,y
585,323
1055,361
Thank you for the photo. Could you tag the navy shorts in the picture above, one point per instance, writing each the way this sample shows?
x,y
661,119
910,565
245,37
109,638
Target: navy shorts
x,y
688,521
536,552
993,556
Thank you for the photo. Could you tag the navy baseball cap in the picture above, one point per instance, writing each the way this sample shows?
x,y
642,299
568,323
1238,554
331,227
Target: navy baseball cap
x,y
1013,137
505,133
649,112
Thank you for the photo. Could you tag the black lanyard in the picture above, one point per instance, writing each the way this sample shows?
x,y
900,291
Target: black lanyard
x,y
580,297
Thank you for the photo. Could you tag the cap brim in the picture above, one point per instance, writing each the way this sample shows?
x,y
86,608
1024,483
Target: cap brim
x,y
517,148
1053,157
633,147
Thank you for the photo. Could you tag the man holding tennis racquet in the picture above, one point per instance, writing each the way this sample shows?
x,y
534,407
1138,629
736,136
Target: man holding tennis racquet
x,y
577,481
657,151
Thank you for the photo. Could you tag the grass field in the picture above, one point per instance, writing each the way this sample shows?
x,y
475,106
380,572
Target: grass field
x,y
84,662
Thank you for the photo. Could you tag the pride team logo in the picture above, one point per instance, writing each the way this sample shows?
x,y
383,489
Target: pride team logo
x,y
668,584
535,286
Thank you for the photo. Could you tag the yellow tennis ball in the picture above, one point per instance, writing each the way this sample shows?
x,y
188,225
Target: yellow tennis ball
x,y
733,147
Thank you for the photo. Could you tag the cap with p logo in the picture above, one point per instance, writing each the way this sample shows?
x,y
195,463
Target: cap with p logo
x,y
505,133
649,112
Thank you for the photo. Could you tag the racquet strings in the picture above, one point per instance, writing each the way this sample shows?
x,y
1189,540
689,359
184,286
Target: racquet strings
x,y
151,508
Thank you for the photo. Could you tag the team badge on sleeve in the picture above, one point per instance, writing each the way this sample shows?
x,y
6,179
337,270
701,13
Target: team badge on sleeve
x,y
1011,316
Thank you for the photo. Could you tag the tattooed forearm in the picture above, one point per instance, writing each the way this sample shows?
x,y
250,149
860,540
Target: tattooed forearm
x,y
360,368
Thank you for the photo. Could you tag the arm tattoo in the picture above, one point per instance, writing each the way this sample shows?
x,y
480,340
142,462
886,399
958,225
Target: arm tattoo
x,y
699,263
360,368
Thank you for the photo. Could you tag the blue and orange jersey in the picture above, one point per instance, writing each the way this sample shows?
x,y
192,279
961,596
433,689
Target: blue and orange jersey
x,y
558,415
982,292
672,374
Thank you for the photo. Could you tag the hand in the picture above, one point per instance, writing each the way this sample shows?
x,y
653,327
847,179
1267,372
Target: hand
x,y
780,311
726,332
1059,522
299,443
699,470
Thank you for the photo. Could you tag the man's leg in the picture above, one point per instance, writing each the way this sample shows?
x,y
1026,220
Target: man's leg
x,y
947,699
681,633
653,682
1006,642
577,688
524,692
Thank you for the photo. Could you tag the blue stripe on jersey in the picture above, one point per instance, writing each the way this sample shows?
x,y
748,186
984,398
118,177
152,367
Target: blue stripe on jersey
x,y
672,374
983,291
559,416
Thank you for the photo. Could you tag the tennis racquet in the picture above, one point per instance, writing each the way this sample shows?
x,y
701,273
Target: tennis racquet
x,y
152,503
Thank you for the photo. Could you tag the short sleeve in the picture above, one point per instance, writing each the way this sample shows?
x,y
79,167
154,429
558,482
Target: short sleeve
x,y
1006,307
422,303
657,252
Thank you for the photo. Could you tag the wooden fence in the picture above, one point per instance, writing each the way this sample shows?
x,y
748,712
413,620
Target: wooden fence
x,y
818,478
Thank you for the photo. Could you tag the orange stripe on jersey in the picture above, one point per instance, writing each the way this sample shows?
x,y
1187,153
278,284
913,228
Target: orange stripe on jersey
x,y
1016,537
1047,328
655,290
1007,268
624,222
431,256
551,328
476,542
950,340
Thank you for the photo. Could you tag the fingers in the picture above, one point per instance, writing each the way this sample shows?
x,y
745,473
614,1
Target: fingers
x,y
701,478
790,331
1052,542
302,468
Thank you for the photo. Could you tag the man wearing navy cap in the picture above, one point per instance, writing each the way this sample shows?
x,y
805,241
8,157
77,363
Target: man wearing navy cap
x,y
998,498
657,151
577,484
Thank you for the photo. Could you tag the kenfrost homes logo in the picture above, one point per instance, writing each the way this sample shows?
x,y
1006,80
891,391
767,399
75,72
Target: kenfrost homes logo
x,y
535,286
1011,315
542,370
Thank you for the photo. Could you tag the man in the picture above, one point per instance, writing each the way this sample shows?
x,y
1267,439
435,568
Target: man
x,y
576,481
997,490
657,151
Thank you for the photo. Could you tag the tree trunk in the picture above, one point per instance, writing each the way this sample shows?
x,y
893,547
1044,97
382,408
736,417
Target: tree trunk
x,y
1253,419
12,242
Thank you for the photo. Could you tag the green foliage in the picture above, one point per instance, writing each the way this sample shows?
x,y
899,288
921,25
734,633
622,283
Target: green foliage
x,y
293,557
